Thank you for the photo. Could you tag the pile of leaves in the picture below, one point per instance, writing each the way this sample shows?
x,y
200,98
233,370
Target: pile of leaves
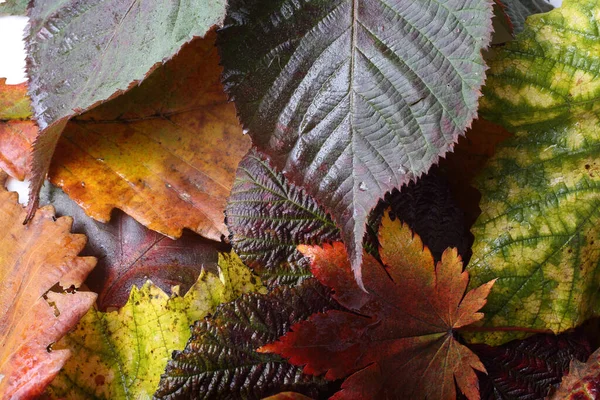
x,y
345,199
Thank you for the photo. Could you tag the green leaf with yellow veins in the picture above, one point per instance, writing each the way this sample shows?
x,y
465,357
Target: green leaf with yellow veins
x,y
122,354
539,230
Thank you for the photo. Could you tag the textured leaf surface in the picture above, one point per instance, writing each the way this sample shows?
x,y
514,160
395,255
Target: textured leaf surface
x,y
528,369
429,208
404,323
33,259
81,53
539,232
220,361
17,131
517,11
583,380
165,153
268,217
121,354
351,98
13,7
129,254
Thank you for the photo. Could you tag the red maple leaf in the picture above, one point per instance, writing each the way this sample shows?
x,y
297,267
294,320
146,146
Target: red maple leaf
x,y
397,340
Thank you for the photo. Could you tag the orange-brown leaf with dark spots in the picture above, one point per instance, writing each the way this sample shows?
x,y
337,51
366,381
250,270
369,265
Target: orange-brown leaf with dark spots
x,y
166,152
34,259
404,322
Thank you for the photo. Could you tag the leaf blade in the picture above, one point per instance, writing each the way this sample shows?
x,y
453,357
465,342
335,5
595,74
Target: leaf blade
x,y
404,322
249,322
537,233
121,354
33,260
329,95
110,48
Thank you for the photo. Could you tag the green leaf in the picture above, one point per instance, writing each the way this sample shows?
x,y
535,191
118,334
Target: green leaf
x,y
220,361
121,354
82,53
352,98
517,11
539,231
14,7
268,217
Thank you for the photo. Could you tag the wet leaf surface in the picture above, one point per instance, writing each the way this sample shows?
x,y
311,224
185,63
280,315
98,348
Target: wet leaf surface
x,y
404,322
352,98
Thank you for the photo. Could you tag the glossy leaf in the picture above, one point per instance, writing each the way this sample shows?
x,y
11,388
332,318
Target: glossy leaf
x,y
528,369
34,259
121,354
17,131
582,382
404,323
352,98
165,153
220,361
82,53
539,232
517,11
268,217
129,254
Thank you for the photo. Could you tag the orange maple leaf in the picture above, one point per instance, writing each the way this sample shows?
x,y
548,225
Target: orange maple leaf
x,y
397,340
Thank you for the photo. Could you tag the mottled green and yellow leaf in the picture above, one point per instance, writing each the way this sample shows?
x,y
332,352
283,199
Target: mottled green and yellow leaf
x,y
539,230
122,354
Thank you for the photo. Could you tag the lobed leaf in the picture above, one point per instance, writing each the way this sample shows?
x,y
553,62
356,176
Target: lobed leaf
x,y
220,361
33,260
82,53
404,322
352,98
121,354
165,153
268,217
538,232
129,254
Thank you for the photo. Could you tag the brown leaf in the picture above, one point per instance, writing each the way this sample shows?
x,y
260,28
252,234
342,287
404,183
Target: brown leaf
x,y
129,254
404,323
166,152
33,259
